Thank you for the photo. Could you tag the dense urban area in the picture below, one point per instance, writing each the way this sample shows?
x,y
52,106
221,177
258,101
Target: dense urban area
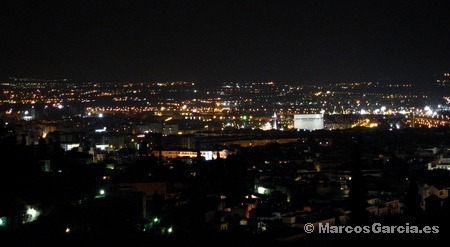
x,y
241,164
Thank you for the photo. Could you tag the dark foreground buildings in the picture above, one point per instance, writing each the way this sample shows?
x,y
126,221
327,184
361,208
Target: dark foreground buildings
x,y
259,195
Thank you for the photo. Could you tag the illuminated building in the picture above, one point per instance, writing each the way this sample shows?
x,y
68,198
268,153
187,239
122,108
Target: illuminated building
x,y
308,121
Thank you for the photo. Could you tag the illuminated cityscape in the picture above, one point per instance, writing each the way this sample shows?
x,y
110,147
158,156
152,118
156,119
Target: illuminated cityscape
x,y
221,123
155,137
231,105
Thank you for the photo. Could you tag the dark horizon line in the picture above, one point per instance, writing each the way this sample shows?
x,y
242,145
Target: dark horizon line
x,y
197,82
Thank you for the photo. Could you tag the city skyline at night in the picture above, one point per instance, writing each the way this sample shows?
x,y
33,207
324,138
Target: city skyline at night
x,y
224,123
211,42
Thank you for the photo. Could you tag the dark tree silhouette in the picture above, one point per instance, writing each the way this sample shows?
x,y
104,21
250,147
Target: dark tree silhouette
x,y
143,149
412,202
357,199
357,194
41,151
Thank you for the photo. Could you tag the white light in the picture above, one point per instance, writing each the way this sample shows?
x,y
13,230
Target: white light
x,y
100,115
32,212
261,190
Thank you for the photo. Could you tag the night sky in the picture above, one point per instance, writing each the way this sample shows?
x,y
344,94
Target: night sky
x,y
215,41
